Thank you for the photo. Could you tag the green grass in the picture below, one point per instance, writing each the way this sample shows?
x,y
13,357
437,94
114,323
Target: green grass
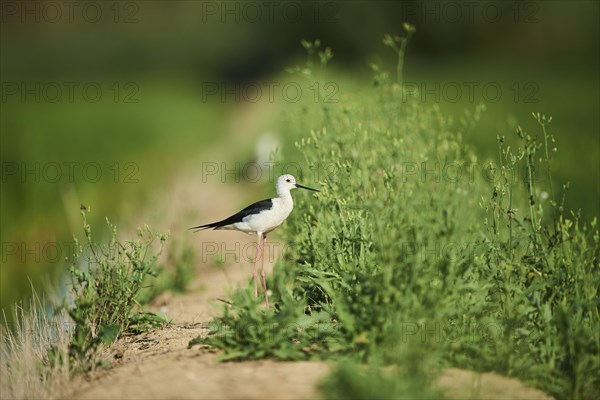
x,y
487,270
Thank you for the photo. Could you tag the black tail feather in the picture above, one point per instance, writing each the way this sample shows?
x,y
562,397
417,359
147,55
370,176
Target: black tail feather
x,y
199,228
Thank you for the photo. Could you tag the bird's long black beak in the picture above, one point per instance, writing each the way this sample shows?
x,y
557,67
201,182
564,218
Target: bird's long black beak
x,y
307,188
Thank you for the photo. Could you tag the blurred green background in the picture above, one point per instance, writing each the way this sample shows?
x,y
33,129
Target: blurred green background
x,y
104,102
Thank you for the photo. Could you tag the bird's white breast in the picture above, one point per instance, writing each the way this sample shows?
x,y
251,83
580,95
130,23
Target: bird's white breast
x,y
267,220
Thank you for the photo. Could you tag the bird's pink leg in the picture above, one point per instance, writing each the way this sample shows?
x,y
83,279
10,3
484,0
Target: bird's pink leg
x,y
254,273
262,272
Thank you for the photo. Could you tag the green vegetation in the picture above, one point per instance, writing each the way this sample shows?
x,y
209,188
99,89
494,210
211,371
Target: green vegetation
x,y
154,111
106,281
44,347
174,275
415,245
408,378
442,237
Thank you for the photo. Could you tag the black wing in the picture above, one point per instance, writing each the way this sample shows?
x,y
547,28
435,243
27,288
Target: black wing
x,y
251,209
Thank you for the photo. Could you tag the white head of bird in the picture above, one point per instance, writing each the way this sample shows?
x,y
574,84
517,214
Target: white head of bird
x,y
287,182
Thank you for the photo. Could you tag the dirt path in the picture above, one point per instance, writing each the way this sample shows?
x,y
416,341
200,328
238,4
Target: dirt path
x,y
159,364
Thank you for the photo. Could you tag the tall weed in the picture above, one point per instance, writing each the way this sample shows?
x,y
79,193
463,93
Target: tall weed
x,y
415,239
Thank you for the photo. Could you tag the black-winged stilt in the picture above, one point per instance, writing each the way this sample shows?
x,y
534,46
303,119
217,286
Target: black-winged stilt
x,y
261,218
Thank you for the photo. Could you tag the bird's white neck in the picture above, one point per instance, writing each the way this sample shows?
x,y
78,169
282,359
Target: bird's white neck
x,y
285,195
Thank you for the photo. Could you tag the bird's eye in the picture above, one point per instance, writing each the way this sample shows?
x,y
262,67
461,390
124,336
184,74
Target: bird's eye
x,y
287,180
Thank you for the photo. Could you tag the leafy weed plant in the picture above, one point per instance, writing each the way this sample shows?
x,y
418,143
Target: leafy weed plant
x,y
415,239
106,281
42,347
